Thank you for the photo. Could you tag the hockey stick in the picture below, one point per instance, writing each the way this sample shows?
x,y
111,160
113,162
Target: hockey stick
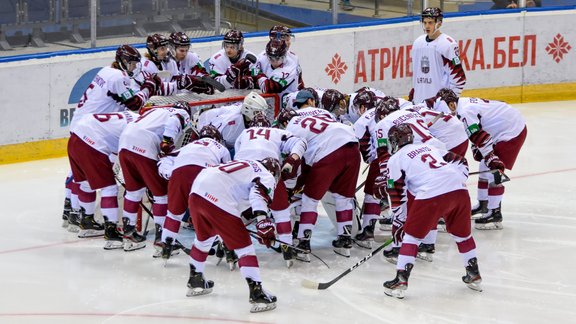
x,y
251,58
499,177
208,80
292,246
325,285
435,119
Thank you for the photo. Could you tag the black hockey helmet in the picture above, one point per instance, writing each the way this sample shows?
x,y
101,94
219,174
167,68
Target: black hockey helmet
x,y
398,136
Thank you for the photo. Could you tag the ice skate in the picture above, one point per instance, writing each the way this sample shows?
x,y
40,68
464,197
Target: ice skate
x,y
132,240
392,255
490,221
158,245
397,286
88,226
112,236
425,252
288,255
472,278
365,238
304,245
441,227
231,258
260,299
343,243
479,208
74,221
197,285
385,224
66,212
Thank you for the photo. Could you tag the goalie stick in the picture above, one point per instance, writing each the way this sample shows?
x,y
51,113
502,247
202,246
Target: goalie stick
x,y
325,285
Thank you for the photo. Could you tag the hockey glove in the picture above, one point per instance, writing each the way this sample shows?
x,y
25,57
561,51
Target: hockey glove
x,y
266,232
152,83
379,189
167,145
290,168
232,74
476,153
494,163
184,82
244,82
455,158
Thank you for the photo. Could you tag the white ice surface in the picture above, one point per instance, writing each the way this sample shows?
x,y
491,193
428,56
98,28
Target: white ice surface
x,y
48,275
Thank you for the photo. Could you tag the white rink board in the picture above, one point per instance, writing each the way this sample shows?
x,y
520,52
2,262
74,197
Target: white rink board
x,y
497,50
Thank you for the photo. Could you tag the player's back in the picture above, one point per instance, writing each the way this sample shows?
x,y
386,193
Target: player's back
x,y
228,120
258,143
102,131
497,118
448,129
421,132
204,152
427,174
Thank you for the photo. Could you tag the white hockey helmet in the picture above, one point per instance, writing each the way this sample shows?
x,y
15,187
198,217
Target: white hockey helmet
x,y
253,104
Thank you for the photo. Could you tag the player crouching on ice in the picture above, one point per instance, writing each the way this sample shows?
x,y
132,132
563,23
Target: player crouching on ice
x,y
218,197
437,179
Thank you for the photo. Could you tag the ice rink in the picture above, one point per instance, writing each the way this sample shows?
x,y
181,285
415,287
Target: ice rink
x,y
48,275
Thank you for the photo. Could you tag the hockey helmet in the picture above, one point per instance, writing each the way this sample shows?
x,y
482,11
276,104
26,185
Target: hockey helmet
x,y
276,49
332,99
210,131
179,39
284,116
447,95
273,166
259,120
153,43
364,98
126,54
398,136
431,12
385,106
253,103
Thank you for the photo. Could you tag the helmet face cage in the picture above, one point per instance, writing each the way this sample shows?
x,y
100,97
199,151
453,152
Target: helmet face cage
x,y
259,120
253,104
184,106
126,54
273,166
331,100
210,131
399,136
276,50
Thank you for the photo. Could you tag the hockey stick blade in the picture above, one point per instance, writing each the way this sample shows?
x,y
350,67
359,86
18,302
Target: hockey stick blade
x,y
325,285
207,79
251,58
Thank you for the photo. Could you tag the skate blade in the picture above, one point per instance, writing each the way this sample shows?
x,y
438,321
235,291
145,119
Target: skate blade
x,y
392,260
489,226
425,256
364,244
133,246
303,257
73,228
289,263
398,293
65,223
261,307
345,252
90,233
477,216
232,265
113,245
475,285
198,292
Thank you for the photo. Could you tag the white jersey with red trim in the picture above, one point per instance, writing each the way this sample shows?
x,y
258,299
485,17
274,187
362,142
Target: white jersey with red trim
x,y
352,116
258,143
436,65
107,93
448,129
228,119
190,65
286,74
220,62
421,169
144,136
419,127
236,186
497,118
365,126
168,86
102,131
313,111
323,134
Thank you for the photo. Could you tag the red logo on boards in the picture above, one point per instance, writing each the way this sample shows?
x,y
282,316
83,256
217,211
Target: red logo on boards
x,y
558,48
336,68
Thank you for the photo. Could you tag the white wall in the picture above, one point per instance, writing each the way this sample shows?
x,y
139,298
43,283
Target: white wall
x,y
34,93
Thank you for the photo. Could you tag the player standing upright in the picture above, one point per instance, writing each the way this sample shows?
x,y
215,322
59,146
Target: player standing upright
x,y
435,60
230,65
276,71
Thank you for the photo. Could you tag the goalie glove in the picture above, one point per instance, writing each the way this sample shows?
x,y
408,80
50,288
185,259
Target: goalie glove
x,y
265,228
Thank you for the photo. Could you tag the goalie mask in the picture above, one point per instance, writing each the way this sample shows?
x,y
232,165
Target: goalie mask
x,y
128,59
385,107
259,120
276,50
157,46
273,166
210,131
253,104
399,136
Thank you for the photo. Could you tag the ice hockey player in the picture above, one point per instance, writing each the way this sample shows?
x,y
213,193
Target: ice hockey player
x,y
284,33
219,196
276,71
497,132
231,65
435,60
188,63
435,178
152,134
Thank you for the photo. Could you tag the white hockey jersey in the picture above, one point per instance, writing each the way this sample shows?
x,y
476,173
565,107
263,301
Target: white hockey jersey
x,y
220,62
190,65
288,100
433,67
258,143
448,129
204,152
421,170
107,93
144,136
168,87
102,131
323,134
286,75
228,120
236,186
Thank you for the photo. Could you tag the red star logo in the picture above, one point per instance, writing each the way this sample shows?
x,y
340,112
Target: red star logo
x,y
336,68
558,48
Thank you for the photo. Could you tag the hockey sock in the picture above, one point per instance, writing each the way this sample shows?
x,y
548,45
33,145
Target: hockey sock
x,y
160,209
344,211
109,203
75,188
466,247
495,196
248,263
430,238
371,210
408,251
132,203
308,215
199,253
87,198
171,226
283,224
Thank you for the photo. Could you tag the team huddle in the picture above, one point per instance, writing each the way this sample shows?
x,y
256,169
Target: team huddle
x,y
241,174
